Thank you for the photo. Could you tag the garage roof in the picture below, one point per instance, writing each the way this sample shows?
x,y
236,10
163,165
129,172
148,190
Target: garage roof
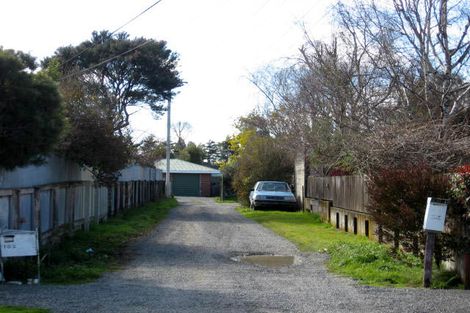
x,y
184,167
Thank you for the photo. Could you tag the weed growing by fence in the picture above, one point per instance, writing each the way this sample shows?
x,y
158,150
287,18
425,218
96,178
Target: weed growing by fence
x,y
85,256
351,255
17,309
374,264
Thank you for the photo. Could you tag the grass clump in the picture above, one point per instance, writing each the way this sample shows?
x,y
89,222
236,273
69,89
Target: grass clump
x,y
306,230
446,280
18,309
351,255
85,256
228,199
375,264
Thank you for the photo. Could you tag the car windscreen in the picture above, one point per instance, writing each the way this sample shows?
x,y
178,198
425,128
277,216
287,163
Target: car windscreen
x,y
272,186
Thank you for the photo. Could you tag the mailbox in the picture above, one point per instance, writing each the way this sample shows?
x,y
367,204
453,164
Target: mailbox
x,y
17,243
435,216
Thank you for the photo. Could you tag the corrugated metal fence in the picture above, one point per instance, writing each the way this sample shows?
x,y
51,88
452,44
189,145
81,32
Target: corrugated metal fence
x,y
58,202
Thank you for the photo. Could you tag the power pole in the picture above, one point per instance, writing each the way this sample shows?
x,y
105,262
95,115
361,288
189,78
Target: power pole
x,y
168,142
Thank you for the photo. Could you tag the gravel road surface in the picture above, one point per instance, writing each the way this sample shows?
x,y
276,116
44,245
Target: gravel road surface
x,y
186,265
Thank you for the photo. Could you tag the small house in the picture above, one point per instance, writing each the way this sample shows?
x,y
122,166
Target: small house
x,y
189,179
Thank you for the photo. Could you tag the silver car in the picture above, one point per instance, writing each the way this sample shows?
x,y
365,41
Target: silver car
x,y
272,194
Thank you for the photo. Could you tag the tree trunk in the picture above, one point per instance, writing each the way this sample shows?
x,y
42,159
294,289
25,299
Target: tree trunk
x,y
396,240
380,233
415,245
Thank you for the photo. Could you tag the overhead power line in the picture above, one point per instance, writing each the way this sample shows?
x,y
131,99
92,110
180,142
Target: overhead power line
x,y
114,31
82,71
136,17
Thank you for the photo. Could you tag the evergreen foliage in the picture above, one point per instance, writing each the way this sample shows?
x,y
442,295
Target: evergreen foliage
x,y
31,118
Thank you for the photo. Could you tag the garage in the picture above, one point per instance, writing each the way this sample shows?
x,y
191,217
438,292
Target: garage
x,y
189,179
186,185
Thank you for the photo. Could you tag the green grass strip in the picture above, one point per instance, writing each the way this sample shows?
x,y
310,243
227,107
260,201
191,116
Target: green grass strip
x,y
351,255
85,256
231,199
18,309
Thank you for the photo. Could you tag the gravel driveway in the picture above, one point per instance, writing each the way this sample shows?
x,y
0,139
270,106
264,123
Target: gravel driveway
x,y
185,265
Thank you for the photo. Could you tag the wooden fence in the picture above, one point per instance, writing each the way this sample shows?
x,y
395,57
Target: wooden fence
x,y
342,201
347,192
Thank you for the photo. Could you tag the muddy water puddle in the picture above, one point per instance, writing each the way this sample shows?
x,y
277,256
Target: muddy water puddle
x,y
272,261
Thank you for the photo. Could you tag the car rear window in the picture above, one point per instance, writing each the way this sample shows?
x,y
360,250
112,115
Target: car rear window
x,y
271,186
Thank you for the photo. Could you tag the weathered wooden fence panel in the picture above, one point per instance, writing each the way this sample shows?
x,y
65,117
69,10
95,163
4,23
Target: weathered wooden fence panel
x,y
348,192
342,201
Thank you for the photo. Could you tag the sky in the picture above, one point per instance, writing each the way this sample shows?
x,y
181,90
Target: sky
x,y
220,44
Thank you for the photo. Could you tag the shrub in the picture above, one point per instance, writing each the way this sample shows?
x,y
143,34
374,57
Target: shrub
x,y
397,202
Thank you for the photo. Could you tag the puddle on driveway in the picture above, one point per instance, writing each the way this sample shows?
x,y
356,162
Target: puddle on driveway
x,y
272,261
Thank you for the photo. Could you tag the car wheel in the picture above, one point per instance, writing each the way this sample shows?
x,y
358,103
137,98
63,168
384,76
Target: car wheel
x,y
252,206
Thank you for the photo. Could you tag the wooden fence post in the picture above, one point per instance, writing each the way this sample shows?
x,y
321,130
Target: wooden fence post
x,y
54,219
126,191
70,207
109,189
115,198
428,253
86,206
121,196
37,212
15,202
133,195
141,192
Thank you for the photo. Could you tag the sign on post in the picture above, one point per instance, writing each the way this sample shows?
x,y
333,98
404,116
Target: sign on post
x,y
16,243
434,223
19,243
435,215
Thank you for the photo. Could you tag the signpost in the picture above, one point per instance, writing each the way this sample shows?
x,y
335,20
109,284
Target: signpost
x,y
19,243
434,222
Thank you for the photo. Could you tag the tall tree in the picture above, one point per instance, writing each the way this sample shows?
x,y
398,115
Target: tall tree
x,y
92,142
181,129
424,47
123,72
192,153
31,118
393,84
210,152
99,80
223,151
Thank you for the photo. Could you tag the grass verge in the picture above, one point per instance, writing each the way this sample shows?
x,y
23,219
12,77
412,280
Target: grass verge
x,y
368,262
17,309
230,199
85,256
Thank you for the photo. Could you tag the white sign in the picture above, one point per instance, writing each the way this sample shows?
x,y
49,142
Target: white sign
x,y
16,243
435,216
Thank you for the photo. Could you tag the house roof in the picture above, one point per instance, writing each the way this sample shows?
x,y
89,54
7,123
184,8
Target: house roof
x,y
184,167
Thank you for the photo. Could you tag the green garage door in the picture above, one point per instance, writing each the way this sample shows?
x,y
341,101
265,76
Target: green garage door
x,y
186,185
